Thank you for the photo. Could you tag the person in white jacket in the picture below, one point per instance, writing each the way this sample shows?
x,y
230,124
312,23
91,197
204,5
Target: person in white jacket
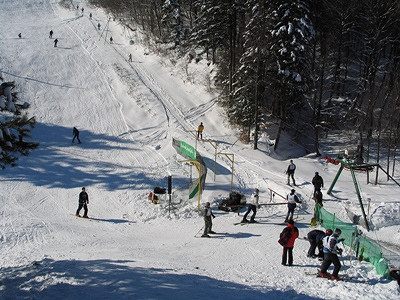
x,y
252,206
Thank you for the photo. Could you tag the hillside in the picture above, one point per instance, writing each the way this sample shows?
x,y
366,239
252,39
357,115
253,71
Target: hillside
x,y
127,114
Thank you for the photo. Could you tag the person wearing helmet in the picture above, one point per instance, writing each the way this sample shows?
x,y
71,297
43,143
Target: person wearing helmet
x,y
315,238
207,220
331,252
253,205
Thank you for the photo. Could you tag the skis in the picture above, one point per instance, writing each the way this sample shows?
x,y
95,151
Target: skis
x,y
343,277
256,222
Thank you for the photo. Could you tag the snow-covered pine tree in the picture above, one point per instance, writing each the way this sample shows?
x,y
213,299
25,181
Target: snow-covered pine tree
x,y
249,80
14,127
173,19
290,56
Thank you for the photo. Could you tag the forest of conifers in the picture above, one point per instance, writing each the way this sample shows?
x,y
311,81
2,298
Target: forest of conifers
x,y
307,66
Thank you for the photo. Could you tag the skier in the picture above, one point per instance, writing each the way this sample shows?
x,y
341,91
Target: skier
x,y
208,220
90,16
331,252
315,238
111,40
19,35
287,239
51,34
130,58
83,202
75,132
82,10
200,131
55,42
98,26
290,172
252,207
292,200
317,182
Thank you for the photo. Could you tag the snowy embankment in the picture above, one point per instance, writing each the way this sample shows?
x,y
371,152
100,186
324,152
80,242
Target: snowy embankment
x,y
128,113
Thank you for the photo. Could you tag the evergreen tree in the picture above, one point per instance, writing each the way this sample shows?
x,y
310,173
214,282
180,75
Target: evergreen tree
x,y
14,127
290,56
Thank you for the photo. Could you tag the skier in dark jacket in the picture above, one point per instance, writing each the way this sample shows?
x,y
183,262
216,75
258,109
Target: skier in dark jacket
x,y
331,252
317,182
83,202
315,238
287,253
75,132
51,34
55,42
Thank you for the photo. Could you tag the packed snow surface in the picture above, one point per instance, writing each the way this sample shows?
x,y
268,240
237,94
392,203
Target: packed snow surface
x,y
127,114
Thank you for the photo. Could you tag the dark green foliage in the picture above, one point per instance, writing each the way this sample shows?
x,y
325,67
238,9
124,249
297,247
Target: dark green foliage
x,y
15,127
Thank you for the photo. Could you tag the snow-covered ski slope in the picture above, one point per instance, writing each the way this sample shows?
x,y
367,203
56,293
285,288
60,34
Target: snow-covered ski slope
x,y
127,114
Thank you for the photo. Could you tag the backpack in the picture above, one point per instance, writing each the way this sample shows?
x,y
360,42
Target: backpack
x,y
285,236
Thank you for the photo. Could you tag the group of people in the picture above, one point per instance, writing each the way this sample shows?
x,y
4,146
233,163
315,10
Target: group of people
x,y
326,242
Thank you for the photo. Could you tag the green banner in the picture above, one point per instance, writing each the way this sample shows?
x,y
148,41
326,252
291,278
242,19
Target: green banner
x,y
188,150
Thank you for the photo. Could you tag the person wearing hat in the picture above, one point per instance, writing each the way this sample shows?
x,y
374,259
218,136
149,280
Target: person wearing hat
x,y
287,239
252,207
315,238
331,252
83,202
292,200
208,220
317,182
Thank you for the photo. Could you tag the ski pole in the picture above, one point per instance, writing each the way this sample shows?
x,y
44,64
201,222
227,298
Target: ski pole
x,y
199,231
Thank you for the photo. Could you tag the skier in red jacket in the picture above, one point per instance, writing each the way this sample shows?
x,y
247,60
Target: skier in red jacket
x,y
288,235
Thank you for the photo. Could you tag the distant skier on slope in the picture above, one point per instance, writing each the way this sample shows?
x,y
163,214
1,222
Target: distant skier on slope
x,y
51,34
317,182
208,215
83,202
290,172
75,132
200,131
55,42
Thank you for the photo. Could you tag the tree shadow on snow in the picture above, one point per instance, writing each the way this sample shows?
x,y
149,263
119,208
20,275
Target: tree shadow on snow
x,y
118,279
59,163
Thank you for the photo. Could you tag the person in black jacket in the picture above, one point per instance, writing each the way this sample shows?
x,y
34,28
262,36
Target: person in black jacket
x,y
315,238
83,202
317,182
75,132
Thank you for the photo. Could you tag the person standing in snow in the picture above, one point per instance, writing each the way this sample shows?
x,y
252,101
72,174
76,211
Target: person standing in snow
x,y
111,40
20,35
83,202
200,131
331,252
315,238
289,235
253,205
98,26
55,42
317,182
292,200
51,34
75,132
208,216
90,16
290,172
130,57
